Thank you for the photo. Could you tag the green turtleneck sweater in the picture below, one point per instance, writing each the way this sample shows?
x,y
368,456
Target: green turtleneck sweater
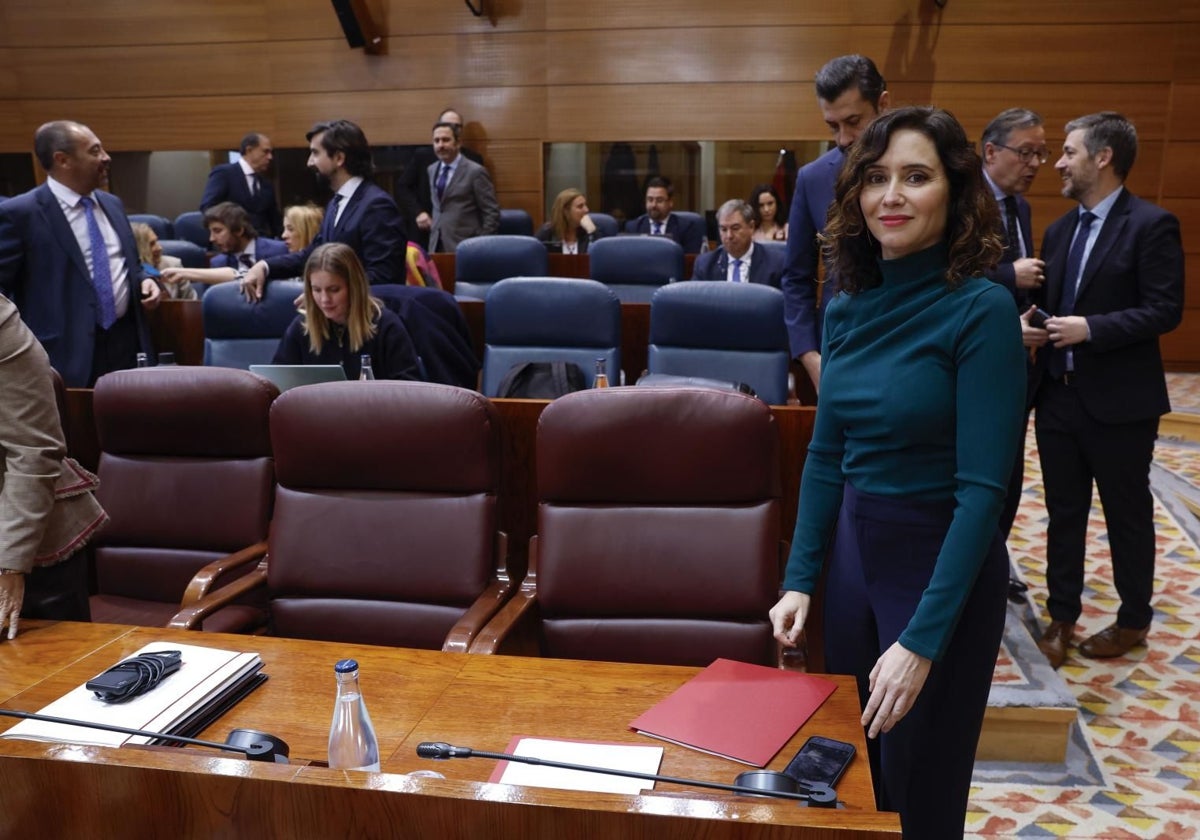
x,y
922,397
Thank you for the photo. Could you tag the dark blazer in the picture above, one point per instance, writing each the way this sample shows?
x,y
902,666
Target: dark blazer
x,y
264,249
545,235
469,207
810,207
1131,292
686,231
371,225
766,266
43,271
1004,273
227,182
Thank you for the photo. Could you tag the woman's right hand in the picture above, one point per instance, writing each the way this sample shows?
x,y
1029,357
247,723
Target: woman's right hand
x,y
787,617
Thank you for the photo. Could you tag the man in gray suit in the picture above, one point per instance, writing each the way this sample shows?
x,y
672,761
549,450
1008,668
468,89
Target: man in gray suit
x,y
464,200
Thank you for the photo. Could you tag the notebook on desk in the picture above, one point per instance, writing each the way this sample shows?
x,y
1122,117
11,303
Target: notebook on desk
x,y
293,376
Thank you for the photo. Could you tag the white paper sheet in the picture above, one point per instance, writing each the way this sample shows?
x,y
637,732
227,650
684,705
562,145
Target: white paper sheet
x,y
612,756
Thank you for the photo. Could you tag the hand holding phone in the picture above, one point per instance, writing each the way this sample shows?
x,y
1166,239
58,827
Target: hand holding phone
x,y
1038,318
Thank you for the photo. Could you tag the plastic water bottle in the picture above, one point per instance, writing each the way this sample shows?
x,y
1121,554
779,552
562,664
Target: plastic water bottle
x,y
365,374
601,378
352,741
143,360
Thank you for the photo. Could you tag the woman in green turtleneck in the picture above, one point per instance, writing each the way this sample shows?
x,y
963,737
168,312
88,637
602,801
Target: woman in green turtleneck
x,y
922,394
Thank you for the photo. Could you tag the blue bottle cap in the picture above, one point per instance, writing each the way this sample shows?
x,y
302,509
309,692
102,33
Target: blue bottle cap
x,y
345,666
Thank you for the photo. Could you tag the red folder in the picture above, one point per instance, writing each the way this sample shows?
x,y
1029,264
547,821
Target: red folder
x,y
736,710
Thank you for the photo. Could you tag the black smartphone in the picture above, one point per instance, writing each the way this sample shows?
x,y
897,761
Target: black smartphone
x,y
1038,318
821,760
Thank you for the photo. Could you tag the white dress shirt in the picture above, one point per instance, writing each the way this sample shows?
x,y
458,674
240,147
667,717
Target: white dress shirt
x,y
72,207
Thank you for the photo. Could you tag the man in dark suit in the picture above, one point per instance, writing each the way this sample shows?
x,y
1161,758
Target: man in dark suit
x,y
739,260
69,261
658,220
360,214
1014,149
414,194
1114,283
850,93
245,183
464,200
235,239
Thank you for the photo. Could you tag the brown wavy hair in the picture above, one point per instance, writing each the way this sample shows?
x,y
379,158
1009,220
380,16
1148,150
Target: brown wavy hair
x,y
972,221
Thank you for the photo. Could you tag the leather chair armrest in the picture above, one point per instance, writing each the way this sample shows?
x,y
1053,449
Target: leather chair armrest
x,y
519,613
203,580
191,617
486,605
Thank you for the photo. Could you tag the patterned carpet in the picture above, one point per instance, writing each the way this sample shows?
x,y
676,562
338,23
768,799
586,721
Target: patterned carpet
x,y
1133,768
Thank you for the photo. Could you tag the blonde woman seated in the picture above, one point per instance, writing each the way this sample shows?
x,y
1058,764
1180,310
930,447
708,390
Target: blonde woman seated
x,y
570,228
155,263
301,224
769,207
341,322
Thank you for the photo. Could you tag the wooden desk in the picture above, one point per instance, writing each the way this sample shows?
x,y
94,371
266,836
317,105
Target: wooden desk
x,y
476,701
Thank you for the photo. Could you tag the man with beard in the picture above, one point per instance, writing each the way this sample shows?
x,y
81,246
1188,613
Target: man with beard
x,y
69,261
1114,284
360,214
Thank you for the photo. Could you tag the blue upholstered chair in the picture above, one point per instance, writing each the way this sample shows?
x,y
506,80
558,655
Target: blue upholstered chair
x,y
189,253
190,226
161,225
482,261
634,267
724,331
515,222
605,224
547,319
237,333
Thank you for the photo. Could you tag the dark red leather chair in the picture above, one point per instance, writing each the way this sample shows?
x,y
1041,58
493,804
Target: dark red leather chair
x,y
658,531
385,517
187,477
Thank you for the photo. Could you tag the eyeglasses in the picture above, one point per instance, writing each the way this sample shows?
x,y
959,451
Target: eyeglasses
x,y
1026,154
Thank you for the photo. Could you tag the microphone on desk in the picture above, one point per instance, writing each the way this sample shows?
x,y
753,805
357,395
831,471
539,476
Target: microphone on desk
x,y
760,782
256,746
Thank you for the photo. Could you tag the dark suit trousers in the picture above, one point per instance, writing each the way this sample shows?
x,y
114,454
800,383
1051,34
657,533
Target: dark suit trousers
x,y
880,562
59,592
115,348
1075,448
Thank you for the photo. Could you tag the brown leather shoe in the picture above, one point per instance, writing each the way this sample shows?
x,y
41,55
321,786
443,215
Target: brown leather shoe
x,y
1055,641
1113,641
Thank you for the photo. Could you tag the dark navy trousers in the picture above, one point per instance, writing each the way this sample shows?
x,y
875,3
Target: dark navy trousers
x,y
881,560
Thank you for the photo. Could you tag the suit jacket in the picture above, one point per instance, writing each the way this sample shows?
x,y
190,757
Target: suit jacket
x,y
264,249
684,230
1131,292
371,225
545,235
227,182
43,271
810,207
1004,273
766,266
413,194
468,208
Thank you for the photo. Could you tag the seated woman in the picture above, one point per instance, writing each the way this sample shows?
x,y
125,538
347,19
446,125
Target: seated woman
x,y
570,228
155,262
769,206
341,322
238,245
301,224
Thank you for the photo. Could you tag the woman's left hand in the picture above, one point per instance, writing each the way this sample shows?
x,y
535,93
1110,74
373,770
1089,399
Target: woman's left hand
x,y
895,682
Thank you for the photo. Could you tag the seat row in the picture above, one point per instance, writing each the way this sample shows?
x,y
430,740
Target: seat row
x,y
367,513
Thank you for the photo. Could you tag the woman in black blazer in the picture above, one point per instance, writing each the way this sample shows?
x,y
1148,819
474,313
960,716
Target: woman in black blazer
x,y
570,228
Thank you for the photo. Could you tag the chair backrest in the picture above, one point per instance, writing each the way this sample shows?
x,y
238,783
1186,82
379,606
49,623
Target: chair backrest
x,y
190,226
483,260
238,333
605,224
186,476
658,526
695,218
189,253
635,266
728,331
515,222
438,329
161,225
546,319
385,515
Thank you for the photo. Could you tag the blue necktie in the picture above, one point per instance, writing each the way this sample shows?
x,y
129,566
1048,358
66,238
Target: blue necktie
x,y
1066,304
106,314
737,271
331,217
657,230
443,174
1012,244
